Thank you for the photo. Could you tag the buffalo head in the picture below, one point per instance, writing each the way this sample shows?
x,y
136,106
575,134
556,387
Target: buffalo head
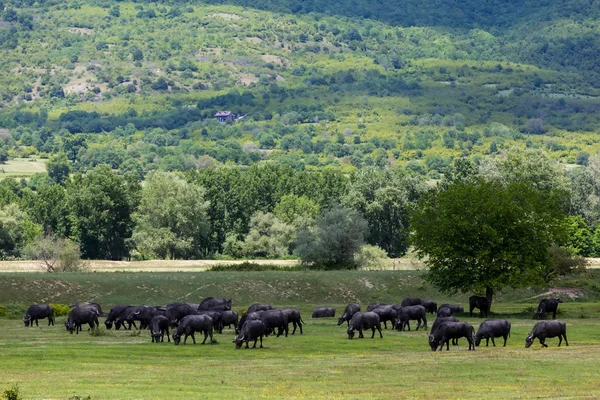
x,y
433,342
27,319
176,338
529,340
239,340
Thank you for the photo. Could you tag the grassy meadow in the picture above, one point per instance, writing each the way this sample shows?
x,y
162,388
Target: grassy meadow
x,y
47,362
22,168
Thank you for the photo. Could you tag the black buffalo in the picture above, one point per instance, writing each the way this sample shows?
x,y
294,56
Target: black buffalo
x,y
430,306
294,318
547,329
82,315
119,318
480,302
362,321
215,304
455,308
252,330
177,311
548,305
350,310
37,312
229,318
217,320
444,311
159,325
323,312
191,324
259,307
492,328
451,330
411,301
272,319
408,313
144,314
440,320
386,313
88,304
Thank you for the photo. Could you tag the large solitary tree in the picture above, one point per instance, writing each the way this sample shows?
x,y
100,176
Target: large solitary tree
x,y
482,236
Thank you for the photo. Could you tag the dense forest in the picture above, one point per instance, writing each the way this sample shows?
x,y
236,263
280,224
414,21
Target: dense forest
x,y
350,108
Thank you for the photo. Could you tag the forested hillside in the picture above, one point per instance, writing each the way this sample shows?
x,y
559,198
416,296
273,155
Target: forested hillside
x,y
136,84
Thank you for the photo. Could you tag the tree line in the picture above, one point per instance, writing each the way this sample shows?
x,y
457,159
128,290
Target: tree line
x,y
268,210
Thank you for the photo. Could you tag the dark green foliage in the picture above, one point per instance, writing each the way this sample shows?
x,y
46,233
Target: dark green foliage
x,y
58,168
338,233
483,236
250,266
14,393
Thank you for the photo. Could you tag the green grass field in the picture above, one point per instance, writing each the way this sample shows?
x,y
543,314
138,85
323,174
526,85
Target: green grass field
x,y
47,362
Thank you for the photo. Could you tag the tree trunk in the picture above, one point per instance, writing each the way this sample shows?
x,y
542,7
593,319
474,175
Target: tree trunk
x,y
489,294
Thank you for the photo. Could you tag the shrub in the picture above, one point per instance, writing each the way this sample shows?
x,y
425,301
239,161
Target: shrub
x,y
249,266
60,309
13,393
370,257
55,254
564,263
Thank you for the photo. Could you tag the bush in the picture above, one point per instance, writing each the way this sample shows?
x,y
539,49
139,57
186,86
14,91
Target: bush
x,y
13,393
55,254
370,257
249,266
564,262
60,309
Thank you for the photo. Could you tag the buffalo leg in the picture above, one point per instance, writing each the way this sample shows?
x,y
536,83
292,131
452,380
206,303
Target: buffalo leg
x,y
247,340
255,340
559,340
205,336
487,341
493,341
360,334
373,335
505,339
379,329
261,342
168,337
300,326
210,333
294,331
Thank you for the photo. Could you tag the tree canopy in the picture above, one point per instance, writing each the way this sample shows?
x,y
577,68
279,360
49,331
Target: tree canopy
x,y
483,236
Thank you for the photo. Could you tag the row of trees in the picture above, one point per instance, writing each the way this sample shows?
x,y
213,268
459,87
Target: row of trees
x,y
327,218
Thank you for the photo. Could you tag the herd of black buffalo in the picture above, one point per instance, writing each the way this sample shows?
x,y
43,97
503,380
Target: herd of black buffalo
x,y
260,320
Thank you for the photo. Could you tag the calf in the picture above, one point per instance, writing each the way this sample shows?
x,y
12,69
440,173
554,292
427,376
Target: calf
x,y
547,329
252,330
548,305
323,312
406,314
363,321
37,312
480,302
451,330
430,306
350,310
492,328
191,324
158,326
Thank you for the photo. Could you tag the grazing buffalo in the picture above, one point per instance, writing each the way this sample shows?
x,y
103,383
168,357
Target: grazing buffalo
x,y
158,326
252,330
440,320
294,318
444,311
144,314
229,318
480,302
350,310
492,328
215,304
548,305
117,316
191,324
82,315
217,320
37,312
88,304
430,306
386,313
259,307
411,301
408,313
363,321
323,312
371,307
454,308
177,311
547,329
451,330
272,319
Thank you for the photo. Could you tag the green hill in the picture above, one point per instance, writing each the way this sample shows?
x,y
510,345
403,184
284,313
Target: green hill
x,y
342,85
